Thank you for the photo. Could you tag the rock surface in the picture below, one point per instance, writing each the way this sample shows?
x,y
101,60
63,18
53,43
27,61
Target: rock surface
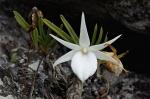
x,y
133,14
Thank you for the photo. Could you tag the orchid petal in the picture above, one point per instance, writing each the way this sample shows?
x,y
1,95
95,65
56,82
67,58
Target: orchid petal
x,y
84,40
120,66
84,65
68,56
67,44
109,53
104,45
102,56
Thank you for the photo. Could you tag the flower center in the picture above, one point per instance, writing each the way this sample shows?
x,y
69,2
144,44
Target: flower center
x,y
84,50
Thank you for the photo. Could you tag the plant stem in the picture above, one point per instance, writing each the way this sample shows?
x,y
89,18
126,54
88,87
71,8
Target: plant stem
x,y
81,90
34,79
98,70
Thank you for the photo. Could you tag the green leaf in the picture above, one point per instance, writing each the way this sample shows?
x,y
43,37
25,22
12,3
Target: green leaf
x,y
100,36
21,21
52,43
70,29
57,30
61,26
106,38
42,33
35,37
40,25
94,34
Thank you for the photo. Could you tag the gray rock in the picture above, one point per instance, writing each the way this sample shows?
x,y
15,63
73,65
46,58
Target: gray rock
x,y
134,14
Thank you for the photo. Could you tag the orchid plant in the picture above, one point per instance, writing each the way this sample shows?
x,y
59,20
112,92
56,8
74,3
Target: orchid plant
x,y
40,38
83,56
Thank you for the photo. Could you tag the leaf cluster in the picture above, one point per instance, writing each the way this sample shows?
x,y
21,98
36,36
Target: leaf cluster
x,y
71,36
40,38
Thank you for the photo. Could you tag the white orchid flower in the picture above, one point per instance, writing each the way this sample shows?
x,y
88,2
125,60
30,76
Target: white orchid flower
x,y
83,56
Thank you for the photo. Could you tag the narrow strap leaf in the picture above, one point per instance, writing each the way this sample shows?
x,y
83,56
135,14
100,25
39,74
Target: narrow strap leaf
x,y
40,26
94,34
100,36
106,37
61,26
21,21
35,37
57,30
70,29
52,43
